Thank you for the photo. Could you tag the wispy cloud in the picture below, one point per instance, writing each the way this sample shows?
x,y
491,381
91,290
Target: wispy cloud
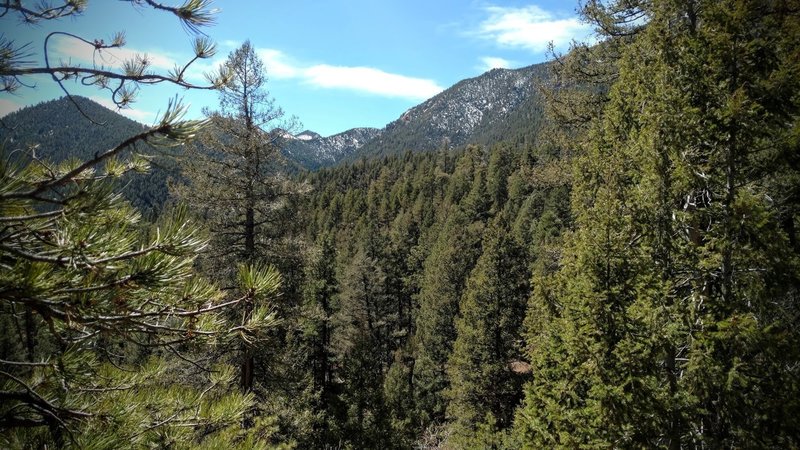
x,y
66,49
278,65
530,28
139,115
7,107
229,44
493,62
368,80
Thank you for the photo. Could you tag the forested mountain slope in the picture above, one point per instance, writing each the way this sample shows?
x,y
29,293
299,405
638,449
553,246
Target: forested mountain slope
x,y
500,105
621,270
312,151
57,130
420,260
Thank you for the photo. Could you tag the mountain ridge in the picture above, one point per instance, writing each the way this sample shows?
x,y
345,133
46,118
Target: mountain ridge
x,y
498,105
312,151
57,130
472,111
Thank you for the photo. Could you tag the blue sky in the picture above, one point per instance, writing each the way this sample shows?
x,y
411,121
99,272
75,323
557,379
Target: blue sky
x,y
334,64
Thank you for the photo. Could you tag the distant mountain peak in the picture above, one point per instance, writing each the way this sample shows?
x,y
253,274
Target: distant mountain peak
x,y
501,104
313,151
307,135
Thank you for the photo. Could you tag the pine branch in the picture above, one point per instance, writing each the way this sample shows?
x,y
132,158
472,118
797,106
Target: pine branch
x,y
193,14
31,397
45,11
169,128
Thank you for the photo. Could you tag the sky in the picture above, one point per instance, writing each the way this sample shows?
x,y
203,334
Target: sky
x,y
332,64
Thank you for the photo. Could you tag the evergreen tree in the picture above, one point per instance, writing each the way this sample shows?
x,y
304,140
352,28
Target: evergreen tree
x,y
233,177
360,340
497,173
97,299
484,368
106,311
321,290
445,269
234,182
661,328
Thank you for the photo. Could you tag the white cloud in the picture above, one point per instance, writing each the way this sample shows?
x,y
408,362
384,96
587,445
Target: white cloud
x,y
370,80
277,64
230,44
282,67
139,115
530,28
7,107
66,49
360,79
492,62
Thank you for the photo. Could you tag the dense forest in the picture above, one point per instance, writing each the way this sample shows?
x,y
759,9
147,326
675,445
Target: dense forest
x,y
57,131
621,272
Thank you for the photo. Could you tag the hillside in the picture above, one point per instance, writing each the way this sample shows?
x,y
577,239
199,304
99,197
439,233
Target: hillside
x,y
602,252
59,131
500,105
312,151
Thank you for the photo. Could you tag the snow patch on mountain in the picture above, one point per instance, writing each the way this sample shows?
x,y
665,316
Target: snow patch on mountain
x,y
313,150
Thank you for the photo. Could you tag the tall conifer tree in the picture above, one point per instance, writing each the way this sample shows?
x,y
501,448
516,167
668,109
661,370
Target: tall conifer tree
x,y
484,368
670,323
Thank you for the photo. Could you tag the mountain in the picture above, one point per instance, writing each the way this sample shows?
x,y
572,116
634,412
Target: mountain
x,y
500,105
59,130
313,151
308,135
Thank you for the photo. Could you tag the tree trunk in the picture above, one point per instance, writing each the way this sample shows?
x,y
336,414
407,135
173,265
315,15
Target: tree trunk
x,y
250,234
248,360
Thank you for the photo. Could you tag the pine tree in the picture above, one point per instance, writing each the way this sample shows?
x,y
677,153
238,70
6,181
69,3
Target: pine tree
x,y
93,294
445,269
233,173
360,341
107,308
321,290
660,329
497,173
741,58
484,367
234,183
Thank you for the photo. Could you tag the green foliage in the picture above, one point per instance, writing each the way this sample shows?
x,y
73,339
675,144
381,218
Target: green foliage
x,y
409,229
97,300
621,272
483,367
232,178
57,131
442,284
681,268
111,330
